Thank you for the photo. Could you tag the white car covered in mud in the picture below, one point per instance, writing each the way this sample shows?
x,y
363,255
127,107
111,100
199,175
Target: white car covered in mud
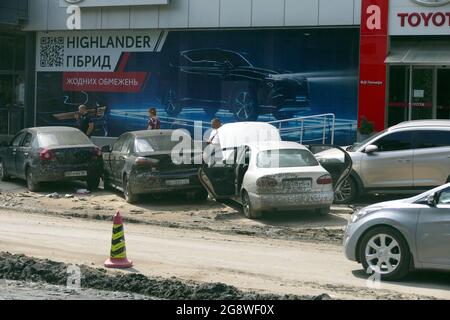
x,y
270,176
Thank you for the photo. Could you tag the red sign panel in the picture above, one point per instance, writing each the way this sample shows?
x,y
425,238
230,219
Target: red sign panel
x,y
373,52
104,81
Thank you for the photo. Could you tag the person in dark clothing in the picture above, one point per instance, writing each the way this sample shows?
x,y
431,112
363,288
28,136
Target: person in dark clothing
x,y
85,123
153,122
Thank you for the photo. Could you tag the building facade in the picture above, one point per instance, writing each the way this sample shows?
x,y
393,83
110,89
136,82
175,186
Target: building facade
x,y
238,60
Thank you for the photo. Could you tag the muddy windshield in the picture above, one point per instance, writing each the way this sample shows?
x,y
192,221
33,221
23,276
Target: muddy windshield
x,y
156,143
62,138
286,158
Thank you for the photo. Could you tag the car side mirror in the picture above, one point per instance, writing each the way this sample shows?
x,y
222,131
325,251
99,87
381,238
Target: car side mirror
x,y
371,149
432,200
106,149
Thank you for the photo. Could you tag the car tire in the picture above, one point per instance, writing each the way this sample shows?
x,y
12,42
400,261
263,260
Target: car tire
x,y
171,103
394,252
32,184
248,209
244,104
347,193
3,175
129,196
201,195
93,182
323,211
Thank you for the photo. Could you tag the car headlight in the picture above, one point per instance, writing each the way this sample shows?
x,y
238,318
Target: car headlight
x,y
358,215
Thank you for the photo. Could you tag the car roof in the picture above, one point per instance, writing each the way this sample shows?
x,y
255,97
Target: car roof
x,y
421,124
240,133
150,133
52,129
271,145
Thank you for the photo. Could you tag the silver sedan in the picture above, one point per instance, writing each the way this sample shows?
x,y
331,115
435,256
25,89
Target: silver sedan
x,y
392,238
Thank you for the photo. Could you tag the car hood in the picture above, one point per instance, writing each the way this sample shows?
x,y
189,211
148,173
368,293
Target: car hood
x,y
268,74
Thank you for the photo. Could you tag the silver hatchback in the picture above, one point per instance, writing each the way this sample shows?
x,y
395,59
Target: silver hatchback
x,y
408,158
391,238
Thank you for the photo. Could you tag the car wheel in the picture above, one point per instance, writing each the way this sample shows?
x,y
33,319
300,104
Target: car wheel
x,y
347,193
211,111
93,182
130,197
3,175
247,207
32,184
244,105
323,211
171,103
383,250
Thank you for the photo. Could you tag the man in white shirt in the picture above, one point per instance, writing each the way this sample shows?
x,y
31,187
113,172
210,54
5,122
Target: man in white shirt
x,y
214,143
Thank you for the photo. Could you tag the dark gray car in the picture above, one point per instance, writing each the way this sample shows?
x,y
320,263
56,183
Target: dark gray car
x,y
140,162
46,154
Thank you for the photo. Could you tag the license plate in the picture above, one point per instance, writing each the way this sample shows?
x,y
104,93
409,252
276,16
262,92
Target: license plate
x,y
178,182
75,174
298,184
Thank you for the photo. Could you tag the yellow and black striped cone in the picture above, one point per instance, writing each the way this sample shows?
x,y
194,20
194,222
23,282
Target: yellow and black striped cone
x,y
118,258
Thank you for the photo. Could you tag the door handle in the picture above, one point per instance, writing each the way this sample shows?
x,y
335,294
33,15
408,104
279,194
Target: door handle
x,y
123,158
403,160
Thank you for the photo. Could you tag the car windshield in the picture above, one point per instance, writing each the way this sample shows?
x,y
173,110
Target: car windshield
x,y
155,143
356,145
235,59
62,138
286,158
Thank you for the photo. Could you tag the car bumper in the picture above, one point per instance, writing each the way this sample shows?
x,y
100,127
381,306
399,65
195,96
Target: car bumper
x,y
351,236
311,200
52,173
147,182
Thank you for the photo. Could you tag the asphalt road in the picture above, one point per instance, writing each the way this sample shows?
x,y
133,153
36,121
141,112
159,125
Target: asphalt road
x,y
268,265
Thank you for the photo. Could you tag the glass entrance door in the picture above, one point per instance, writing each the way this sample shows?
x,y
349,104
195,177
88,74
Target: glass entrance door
x,y
421,94
443,94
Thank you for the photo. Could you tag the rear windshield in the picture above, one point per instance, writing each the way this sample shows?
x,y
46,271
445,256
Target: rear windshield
x,y
62,138
286,158
156,143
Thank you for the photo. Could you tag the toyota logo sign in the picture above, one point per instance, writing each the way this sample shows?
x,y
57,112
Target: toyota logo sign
x,y
432,3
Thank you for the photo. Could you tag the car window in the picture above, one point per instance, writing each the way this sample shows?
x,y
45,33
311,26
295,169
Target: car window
x,y
18,139
431,139
126,147
396,141
119,143
27,141
444,197
62,138
286,158
162,142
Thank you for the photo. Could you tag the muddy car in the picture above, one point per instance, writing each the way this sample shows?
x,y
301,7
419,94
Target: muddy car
x,y
140,162
48,154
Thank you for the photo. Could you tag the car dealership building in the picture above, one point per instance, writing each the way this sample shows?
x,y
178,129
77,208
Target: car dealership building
x,y
386,61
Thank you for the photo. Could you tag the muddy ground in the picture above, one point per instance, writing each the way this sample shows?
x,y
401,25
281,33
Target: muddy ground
x,y
34,275
176,211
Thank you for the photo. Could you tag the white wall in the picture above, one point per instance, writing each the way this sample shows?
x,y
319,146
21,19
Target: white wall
x,y
48,15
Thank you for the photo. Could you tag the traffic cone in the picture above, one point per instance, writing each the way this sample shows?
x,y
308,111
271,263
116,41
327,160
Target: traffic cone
x,y
118,258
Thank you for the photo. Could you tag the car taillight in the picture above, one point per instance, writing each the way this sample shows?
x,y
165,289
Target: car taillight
x,y
46,155
266,182
97,153
325,179
146,162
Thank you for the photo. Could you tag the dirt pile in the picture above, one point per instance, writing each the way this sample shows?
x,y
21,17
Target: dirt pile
x,y
23,268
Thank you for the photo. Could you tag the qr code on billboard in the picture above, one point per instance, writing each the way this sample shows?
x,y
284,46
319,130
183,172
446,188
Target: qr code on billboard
x,y
52,52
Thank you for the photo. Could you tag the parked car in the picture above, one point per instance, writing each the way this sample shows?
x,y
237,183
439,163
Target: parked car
x,y
407,158
391,238
270,175
48,154
215,78
140,163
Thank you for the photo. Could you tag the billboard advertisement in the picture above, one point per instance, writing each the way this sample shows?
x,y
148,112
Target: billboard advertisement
x,y
194,76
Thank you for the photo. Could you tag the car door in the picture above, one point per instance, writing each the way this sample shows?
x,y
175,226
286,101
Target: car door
x,y
219,178
392,165
122,157
433,231
11,152
23,154
116,176
431,157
